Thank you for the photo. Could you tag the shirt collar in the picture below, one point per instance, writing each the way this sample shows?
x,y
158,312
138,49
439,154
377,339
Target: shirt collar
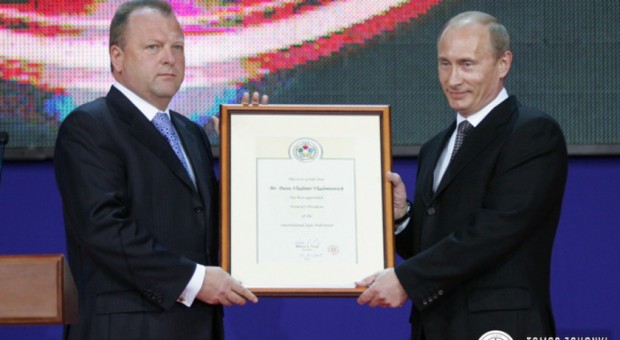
x,y
148,110
477,117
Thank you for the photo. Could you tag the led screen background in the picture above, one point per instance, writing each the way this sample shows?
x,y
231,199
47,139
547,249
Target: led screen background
x,y
53,57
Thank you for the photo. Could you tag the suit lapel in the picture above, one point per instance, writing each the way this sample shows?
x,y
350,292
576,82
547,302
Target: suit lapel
x,y
483,135
201,163
435,149
146,133
191,145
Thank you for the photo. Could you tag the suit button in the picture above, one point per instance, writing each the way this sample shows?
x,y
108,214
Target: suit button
x,y
199,210
150,294
424,302
435,296
440,292
431,211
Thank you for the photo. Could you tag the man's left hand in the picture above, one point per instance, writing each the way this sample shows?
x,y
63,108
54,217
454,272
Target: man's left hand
x,y
245,100
264,100
384,289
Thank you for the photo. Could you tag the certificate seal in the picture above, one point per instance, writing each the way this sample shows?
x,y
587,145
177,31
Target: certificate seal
x,y
305,150
333,249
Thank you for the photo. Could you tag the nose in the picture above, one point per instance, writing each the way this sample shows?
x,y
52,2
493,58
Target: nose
x,y
454,78
168,56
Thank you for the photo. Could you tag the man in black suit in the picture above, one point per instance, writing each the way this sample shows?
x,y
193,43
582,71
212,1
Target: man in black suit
x,y
140,205
477,240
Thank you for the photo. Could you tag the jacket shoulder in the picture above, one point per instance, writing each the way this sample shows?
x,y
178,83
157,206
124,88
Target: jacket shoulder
x,y
95,108
528,114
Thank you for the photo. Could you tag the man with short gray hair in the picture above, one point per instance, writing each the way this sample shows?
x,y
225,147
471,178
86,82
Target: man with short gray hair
x,y
477,239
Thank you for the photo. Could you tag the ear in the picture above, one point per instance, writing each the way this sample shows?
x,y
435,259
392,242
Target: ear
x,y
504,63
116,58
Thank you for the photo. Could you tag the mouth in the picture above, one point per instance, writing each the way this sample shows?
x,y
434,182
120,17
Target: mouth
x,y
457,94
166,75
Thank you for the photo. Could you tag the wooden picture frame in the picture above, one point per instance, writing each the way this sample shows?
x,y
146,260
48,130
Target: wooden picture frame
x,y
306,208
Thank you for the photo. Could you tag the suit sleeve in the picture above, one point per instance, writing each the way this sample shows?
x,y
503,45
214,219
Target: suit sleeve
x,y
91,176
527,182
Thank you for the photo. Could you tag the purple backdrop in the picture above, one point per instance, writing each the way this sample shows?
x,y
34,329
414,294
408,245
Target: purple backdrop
x,y
585,275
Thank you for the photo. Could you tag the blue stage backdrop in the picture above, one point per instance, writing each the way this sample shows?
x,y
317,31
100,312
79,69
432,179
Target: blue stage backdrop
x,y
585,276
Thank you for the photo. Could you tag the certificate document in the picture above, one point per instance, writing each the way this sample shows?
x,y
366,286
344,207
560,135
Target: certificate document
x,y
306,207
316,201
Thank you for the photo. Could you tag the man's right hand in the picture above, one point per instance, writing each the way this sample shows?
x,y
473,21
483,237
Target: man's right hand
x,y
219,288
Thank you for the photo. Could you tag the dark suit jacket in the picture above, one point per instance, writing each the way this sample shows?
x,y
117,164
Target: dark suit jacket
x,y
135,224
477,250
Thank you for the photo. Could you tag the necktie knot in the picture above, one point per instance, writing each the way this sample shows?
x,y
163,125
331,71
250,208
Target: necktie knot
x,y
163,124
464,129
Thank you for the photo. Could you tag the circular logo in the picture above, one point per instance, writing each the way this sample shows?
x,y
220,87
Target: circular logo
x,y
495,335
333,249
305,150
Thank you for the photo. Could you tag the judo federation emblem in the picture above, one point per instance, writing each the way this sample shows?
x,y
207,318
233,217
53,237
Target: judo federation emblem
x,y
305,150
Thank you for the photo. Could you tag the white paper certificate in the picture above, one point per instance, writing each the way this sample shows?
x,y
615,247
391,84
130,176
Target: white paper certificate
x,y
306,211
304,199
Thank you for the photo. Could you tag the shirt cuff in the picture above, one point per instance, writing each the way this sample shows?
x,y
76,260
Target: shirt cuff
x,y
401,223
402,226
193,287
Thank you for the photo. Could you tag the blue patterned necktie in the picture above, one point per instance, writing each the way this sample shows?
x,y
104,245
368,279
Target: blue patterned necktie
x,y
463,130
164,125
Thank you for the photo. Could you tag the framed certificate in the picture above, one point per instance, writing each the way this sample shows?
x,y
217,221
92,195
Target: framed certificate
x,y
306,205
